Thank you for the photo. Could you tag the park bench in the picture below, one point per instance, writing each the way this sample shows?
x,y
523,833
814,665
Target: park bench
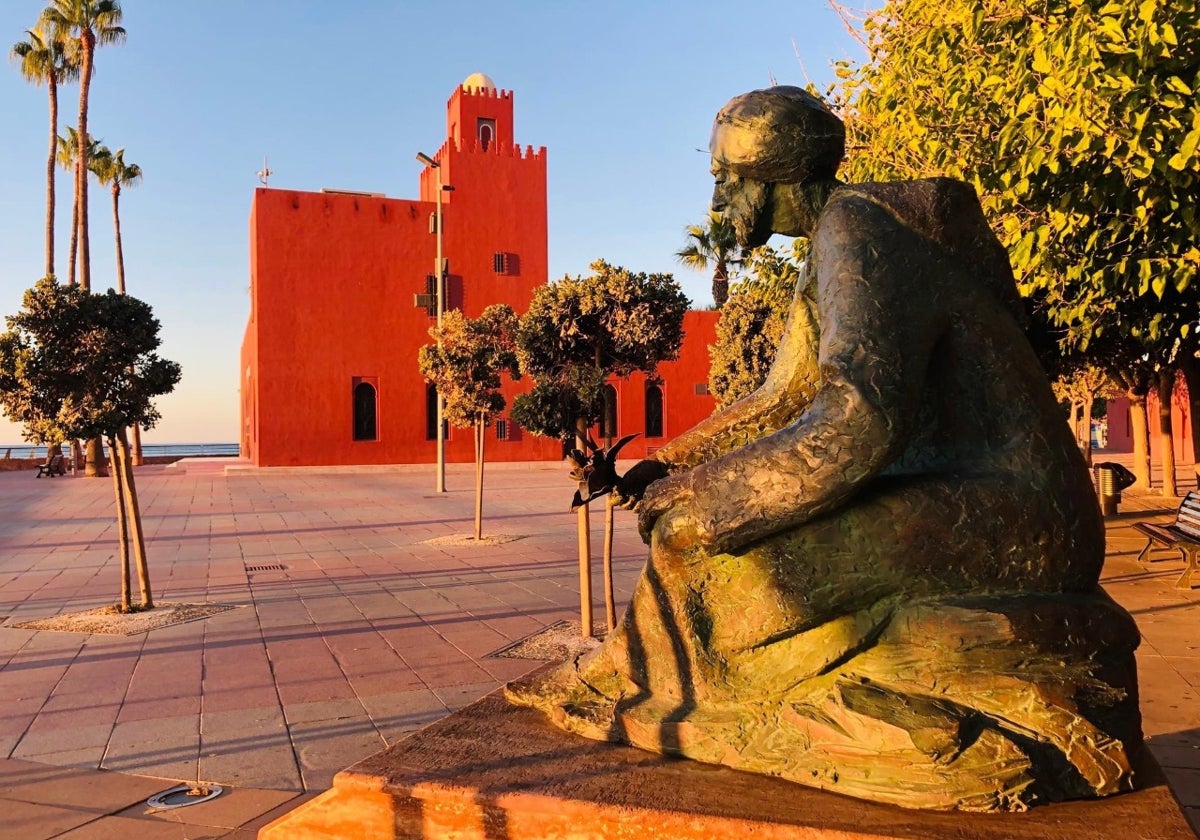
x,y
1183,535
55,466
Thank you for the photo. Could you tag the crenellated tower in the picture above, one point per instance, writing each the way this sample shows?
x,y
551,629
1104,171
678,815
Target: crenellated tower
x,y
495,215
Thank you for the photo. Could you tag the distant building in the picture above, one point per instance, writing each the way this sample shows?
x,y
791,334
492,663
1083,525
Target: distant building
x,y
342,287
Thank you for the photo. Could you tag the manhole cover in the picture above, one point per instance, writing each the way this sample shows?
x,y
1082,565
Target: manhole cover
x,y
267,567
182,796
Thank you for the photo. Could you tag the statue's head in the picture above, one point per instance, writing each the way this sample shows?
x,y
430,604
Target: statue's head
x,y
764,138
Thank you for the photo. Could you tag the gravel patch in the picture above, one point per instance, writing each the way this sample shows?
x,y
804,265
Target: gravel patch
x,y
469,539
109,621
557,643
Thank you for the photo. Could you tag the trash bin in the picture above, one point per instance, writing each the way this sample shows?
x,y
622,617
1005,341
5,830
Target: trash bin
x,y
1110,479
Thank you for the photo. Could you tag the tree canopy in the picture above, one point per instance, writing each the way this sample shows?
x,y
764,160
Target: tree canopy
x,y
77,365
751,326
1078,124
580,330
468,360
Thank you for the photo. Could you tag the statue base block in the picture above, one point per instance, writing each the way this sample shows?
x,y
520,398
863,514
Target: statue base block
x,y
494,770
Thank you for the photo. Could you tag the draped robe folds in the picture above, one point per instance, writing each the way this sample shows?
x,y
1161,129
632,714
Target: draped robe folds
x,y
880,576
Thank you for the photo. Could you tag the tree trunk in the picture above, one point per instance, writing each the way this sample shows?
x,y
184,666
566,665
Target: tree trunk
x,y
73,253
93,462
81,179
138,460
135,521
1140,429
122,531
116,194
1189,366
1074,420
53,86
1088,403
610,608
584,533
480,428
1166,432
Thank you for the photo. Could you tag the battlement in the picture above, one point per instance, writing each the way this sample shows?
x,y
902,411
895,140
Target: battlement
x,y
472,146
480,93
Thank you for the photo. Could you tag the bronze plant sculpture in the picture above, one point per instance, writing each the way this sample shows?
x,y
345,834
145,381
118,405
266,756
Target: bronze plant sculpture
x,y
877,574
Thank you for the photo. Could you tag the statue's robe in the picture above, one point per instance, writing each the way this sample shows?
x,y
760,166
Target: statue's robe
x,y
892,592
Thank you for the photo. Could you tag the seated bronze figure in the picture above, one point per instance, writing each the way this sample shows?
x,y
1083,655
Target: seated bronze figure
x,y
877,574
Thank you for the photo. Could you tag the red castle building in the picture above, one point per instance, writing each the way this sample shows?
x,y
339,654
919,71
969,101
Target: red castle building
x,y
343,292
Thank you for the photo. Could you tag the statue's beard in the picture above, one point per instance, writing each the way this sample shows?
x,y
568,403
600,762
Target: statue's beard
x,y
746,210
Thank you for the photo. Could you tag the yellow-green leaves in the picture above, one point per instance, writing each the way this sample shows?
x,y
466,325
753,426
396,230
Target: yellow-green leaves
x,y
1078,123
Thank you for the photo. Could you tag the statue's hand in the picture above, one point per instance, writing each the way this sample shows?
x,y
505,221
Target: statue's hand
x,y
632,486
669,498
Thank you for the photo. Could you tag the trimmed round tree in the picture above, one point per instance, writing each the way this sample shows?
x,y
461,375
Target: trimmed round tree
x,y
77,365
466,363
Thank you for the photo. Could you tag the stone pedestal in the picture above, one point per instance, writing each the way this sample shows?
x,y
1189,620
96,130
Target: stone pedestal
x,y
496,772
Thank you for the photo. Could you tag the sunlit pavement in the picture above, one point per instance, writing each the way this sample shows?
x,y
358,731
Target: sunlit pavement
x,y
367,633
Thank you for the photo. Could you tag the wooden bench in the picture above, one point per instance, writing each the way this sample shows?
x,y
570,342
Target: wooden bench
x,y
1183,535
55,466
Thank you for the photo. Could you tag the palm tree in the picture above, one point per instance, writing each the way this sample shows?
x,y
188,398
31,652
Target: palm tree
x,y
90,23
715,244
110,169
45,57
68,159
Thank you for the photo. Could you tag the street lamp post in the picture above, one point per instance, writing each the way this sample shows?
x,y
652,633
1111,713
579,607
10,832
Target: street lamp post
x,y
439,283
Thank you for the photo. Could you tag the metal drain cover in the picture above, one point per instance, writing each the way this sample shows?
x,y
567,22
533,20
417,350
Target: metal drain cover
x,y
267,567
182,796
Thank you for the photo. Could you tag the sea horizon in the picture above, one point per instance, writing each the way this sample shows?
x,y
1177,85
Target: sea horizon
x,y
26,451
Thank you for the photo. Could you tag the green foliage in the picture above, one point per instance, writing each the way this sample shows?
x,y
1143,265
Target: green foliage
x,y
110,168
468,366
713,243
551,409
46,58
75,365
749,331
1077,122
580,330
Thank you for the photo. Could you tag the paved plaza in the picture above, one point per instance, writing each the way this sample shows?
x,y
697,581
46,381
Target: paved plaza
x,y
355,621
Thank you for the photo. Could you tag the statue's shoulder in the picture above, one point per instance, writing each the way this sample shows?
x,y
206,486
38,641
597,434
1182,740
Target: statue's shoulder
x,y
918,203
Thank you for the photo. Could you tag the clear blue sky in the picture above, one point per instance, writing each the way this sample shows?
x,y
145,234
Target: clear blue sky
x,y
343,95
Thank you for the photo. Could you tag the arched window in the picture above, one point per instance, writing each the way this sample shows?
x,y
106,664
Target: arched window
x,y
487,132
654,411
608,413
431,401
365,412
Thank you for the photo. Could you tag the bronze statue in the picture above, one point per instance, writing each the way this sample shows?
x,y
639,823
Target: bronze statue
x,y
877,574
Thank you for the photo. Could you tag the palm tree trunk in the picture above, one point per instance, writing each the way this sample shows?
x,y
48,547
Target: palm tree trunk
x,y
479,439
720,284
583,527
81,180
135,521
122,530
74,252
50,176
1166,432
1140,429
116,195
